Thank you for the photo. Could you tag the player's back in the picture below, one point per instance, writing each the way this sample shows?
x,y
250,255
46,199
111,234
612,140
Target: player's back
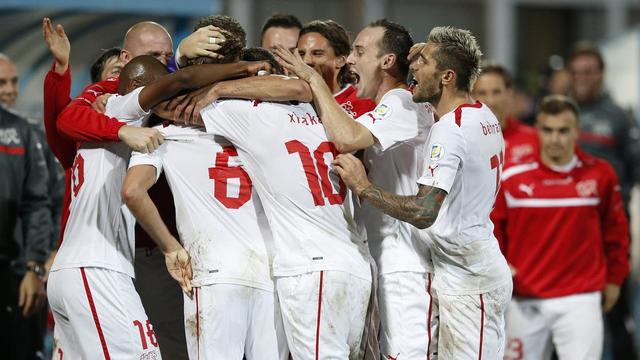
x,y
99,231
285,150
220,219
463,237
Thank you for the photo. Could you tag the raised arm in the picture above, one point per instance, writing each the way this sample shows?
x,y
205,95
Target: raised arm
x,y
420,210
135,194
57,87
346,134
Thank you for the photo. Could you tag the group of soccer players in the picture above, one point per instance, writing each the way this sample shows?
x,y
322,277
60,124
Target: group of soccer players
x,y
301,201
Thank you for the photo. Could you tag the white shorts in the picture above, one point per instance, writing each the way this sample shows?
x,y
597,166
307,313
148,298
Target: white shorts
x,y
573,324
162,299
473,326
324,314
408,316
99,315
227,321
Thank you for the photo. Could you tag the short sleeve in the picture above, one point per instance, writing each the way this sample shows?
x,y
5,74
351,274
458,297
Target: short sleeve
x,y
444,154
126,108
393,121
228,118
153,159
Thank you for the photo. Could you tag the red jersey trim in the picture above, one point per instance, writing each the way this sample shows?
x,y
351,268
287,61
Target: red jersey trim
x,y
13,150
458,111
94,312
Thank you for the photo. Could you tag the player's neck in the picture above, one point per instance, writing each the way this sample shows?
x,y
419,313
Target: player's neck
x,y
389,83
334,84
557,162
449,101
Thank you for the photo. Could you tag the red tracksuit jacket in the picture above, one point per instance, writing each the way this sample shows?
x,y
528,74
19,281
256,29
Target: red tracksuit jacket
x,y
564,233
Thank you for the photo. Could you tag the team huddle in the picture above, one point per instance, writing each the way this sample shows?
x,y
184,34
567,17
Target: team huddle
x,y
324,211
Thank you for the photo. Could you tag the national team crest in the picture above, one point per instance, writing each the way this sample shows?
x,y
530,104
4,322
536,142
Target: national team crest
x,y
437,152
586,188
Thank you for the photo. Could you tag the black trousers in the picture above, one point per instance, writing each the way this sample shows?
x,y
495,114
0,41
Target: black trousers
x,y
20,338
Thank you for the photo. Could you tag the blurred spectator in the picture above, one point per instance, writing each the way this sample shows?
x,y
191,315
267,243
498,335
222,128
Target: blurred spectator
x,y
559,82
281,29
25,227
9,92
561,224
493,88
609,133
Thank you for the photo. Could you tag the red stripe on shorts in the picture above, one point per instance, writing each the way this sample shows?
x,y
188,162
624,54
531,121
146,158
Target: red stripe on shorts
x,y
481,325
92,305
318,321
429,318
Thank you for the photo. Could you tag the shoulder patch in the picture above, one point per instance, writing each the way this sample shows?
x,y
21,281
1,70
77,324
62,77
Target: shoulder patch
x,y
382,110
437,152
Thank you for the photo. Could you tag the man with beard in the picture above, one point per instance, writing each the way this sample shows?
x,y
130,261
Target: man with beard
x,y
456,194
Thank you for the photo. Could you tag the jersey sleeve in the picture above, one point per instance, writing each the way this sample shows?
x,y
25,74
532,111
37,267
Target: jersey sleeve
x,y
152,159
56,96
615,231
229,118
80,122
391,122
445,152
126,108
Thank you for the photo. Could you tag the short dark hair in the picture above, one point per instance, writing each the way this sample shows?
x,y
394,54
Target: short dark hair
x,y
458,50
339,41
396,40
286,21
101,61
556,104
235,39
262,54
586,49
493,68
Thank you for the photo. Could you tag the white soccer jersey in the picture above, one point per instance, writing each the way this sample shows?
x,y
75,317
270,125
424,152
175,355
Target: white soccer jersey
x,y
220,220
395,163
99,231
285,150
464,157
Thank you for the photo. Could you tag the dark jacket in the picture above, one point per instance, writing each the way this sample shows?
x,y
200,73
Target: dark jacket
x,y
608,132
25,217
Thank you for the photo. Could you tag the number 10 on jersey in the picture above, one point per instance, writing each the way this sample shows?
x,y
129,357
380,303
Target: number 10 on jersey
x,y
320,186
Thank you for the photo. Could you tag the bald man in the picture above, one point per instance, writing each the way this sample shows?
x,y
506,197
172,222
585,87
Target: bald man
x,y
147,38
81,123
8,82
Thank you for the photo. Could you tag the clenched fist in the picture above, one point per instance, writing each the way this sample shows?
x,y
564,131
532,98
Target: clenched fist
x,y
144,140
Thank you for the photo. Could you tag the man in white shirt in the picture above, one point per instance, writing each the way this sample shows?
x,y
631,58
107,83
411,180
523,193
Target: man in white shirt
x,y
393,136
321,262
457,190
97,310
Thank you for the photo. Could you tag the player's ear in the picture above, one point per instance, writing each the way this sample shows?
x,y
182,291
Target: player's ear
x,y
125,56
448,77
341,61
388,60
